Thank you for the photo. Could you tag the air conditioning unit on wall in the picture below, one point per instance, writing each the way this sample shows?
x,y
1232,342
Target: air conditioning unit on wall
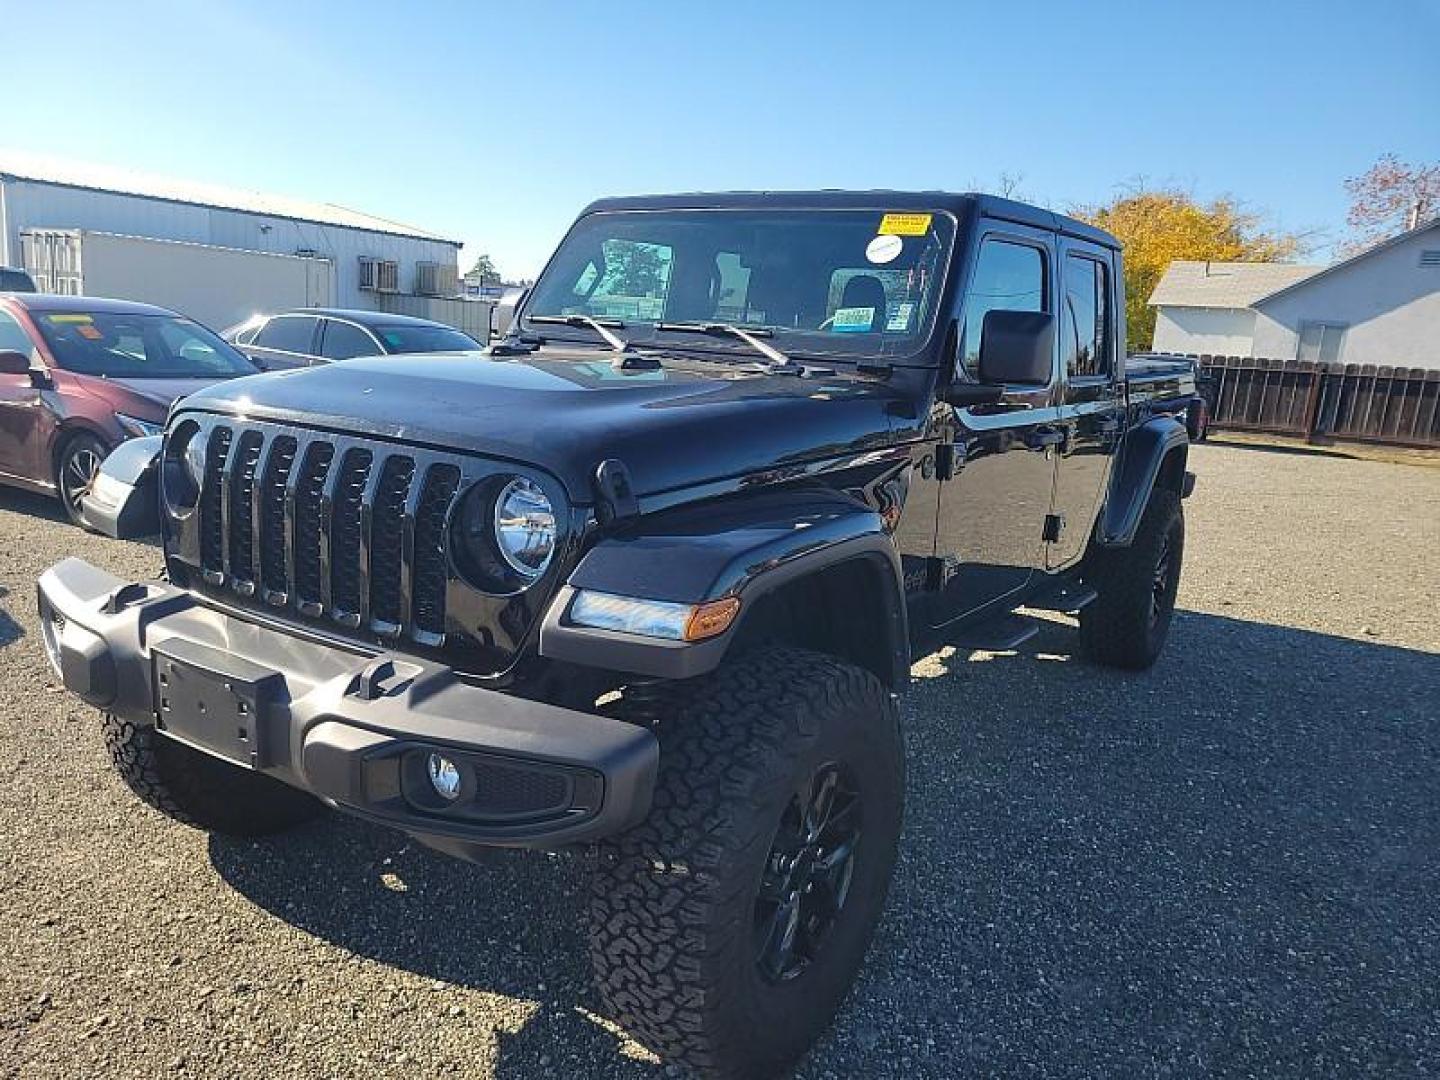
x,y
379,275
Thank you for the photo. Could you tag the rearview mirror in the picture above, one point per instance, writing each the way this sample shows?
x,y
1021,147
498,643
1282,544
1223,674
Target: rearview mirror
x,y
14,363
1017,347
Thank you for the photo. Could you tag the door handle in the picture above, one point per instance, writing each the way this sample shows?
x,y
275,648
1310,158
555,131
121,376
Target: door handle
x,y
1042,438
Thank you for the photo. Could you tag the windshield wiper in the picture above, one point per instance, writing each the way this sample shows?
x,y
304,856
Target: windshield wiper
x,y
615,341
778,361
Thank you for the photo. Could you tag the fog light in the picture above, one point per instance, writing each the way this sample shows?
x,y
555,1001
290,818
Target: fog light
x,y
444,777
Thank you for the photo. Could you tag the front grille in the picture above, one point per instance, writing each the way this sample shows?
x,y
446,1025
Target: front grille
x,y
351,534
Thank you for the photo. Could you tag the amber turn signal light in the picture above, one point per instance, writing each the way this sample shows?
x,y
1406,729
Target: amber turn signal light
x,y
711,618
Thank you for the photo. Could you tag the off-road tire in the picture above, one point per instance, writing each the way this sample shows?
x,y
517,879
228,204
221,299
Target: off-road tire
x,y
1126,625
673,939
198,789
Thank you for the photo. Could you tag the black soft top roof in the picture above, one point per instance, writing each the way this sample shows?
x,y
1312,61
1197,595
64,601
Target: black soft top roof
x,y
963,206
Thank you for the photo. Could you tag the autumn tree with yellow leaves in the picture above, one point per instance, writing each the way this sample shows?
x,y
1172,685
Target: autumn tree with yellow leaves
x,y
1161,225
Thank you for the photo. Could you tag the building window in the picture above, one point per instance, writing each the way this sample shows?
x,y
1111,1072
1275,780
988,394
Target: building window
x,y
1430,259
1321,341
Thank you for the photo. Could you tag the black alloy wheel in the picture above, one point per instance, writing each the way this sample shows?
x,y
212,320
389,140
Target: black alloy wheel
x,y
807,874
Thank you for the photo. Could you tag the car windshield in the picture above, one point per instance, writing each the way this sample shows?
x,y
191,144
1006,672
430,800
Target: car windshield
x,y
408,339
138,346
860,282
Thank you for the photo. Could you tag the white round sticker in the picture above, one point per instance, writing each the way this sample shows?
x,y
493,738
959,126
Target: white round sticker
x,y
884,249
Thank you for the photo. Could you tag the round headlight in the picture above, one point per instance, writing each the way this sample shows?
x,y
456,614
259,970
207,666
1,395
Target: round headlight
x,y
524,527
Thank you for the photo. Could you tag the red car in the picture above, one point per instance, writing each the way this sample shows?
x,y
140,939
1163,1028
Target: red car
x,y
80,375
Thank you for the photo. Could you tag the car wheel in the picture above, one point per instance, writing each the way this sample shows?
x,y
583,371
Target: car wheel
x,y
726,929
76,470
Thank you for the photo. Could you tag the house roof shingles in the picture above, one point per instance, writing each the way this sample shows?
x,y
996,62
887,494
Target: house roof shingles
x,y
44,169
1188,283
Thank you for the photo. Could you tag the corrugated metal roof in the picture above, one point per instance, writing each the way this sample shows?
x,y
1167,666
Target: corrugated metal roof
x,y
44,169
1224,284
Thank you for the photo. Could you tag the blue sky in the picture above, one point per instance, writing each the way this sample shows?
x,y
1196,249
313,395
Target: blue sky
x,y
495,123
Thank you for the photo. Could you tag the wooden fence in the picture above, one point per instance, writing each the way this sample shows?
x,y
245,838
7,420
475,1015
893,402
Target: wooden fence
x,y
1364,403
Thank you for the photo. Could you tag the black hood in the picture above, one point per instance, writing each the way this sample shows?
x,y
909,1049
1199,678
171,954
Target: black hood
x,y
566,410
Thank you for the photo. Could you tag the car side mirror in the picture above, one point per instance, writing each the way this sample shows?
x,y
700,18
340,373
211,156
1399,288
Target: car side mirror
x,y
14,363
1017,347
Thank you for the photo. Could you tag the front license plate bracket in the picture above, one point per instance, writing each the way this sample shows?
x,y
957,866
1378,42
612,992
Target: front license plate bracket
x,y
212,700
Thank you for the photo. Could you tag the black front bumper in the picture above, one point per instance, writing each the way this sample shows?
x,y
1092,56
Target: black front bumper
x,y
352,728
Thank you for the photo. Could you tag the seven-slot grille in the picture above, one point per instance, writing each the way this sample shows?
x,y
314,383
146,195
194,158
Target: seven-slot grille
x,y
329,528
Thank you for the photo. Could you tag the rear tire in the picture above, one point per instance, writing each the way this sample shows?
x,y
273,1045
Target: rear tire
x,y
1127,624
706,942
75,470
200,790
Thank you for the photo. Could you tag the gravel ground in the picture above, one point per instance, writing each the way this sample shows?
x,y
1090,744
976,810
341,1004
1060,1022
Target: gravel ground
x,y
1227,865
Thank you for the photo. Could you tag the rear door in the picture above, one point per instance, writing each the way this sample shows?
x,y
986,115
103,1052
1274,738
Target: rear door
x,y
1090,402
286,341
345,340
990,529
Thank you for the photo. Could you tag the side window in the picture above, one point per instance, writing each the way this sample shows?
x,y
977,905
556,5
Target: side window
x,y
13,336
1085,324
1008,277
344,341
288,332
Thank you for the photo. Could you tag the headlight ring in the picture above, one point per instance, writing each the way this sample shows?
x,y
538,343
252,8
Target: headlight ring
x,y
183,467
506,532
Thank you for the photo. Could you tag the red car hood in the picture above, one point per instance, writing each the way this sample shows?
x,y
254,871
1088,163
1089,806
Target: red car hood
x,y
163,392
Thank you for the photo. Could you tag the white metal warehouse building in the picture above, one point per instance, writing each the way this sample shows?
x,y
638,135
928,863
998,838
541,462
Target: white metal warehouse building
x,y
216,254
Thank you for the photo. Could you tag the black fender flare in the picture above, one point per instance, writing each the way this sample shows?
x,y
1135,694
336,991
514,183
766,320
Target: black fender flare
x,y
746,547
1146,450
124,502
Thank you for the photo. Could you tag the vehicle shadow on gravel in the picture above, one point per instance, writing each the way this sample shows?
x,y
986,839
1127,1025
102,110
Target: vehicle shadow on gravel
x,y
1224,864
33,503
10,630
512,925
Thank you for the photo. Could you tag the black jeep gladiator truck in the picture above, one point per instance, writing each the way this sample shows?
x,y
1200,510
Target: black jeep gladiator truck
x,y
647,576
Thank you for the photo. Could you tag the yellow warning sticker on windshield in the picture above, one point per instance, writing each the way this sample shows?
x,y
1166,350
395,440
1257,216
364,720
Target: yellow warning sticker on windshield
x,y
69,319
904,225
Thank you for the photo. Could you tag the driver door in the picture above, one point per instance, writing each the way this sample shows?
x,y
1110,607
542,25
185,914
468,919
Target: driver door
x,y
990,529
21,408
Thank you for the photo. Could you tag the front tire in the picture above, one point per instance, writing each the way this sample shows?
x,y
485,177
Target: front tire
x,y
75,472
726,929
1127,624
200,790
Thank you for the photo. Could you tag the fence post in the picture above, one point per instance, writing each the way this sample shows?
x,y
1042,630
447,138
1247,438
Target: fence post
x,y
1312,403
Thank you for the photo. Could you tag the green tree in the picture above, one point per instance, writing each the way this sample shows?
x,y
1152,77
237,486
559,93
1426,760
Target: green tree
x,y
484,269
1157,226
633,269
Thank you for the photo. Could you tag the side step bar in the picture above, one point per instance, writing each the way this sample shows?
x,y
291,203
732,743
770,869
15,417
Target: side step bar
x,y
998,635
1067,598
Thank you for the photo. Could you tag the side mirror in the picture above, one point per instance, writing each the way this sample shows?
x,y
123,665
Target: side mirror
x,y
14,363
1017,347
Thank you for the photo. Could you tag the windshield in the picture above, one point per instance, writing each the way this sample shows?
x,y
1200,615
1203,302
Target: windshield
x,y
863,282
138,346
403,339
